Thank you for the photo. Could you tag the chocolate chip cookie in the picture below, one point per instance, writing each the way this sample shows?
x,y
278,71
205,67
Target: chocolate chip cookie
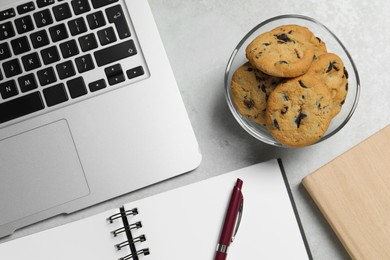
x,y
281,53
299,111
330,69
250,91
318,44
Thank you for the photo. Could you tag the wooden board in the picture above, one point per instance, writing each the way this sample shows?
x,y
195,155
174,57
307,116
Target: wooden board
x,y
353,193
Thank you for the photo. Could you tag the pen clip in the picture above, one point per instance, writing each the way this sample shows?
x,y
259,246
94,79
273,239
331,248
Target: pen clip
x,y
238,220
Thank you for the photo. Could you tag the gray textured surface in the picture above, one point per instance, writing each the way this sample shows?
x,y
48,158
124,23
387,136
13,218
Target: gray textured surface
x,y
199,37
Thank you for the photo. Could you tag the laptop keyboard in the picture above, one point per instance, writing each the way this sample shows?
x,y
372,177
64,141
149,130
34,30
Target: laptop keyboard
x,y
54,53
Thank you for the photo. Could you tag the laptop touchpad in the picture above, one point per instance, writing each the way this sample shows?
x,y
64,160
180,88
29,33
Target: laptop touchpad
x,y
39,170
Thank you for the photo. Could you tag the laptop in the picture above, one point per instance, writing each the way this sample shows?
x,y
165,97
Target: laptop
x,y
89,107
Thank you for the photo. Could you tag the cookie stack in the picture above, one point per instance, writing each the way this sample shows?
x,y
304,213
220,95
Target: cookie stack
x,y
291,85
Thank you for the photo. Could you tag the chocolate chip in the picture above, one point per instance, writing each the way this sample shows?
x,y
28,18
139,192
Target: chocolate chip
x,y
297,53
249,103
285,97
276,124
301,84
329,67
249,69
290,32
319,40
346,87
284,110
342,102
283,37
283,62
299,118
345,72
266,44
332,66
262,87
258,55
318,102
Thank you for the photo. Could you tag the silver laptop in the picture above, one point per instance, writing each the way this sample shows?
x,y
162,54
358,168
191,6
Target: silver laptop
x,y
89,108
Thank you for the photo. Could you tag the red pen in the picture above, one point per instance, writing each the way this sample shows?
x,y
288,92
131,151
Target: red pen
x,y
232,221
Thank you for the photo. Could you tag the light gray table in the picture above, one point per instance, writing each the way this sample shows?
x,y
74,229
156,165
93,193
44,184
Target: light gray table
x,y
199,37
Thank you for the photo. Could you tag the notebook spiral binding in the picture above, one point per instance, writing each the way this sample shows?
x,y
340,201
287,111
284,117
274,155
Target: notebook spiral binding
x,y
127,229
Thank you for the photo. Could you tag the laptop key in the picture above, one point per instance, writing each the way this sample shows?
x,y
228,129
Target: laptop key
x,y
116,16
96,20
20,45
27,82
62,12
65,69
21,106
31,61
46,76
106,36
43,18
97,85
12,68
99,3
58,32
114,74
55,94
135,72
115,53
77,26
50,55
25,8
88,42
8,89
80,6
5,52
43,3
84,63
69,49
39,39
76,87
6,31
24,24
6,14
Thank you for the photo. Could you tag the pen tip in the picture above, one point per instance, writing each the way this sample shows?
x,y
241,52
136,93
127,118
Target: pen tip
x,y
239,183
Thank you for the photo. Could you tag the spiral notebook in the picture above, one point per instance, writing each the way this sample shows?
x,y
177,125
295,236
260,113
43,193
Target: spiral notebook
x,y
184,223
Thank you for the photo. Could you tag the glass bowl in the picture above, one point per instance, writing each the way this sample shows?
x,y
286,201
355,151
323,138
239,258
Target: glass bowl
x,y
333,45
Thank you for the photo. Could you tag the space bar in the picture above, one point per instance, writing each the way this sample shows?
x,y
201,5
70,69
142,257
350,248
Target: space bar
x,y
20,106
115,53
